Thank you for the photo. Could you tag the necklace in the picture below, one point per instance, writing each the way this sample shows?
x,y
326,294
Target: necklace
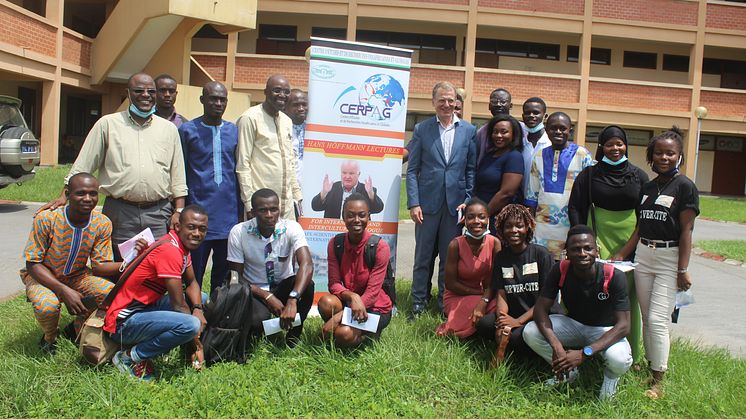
x,y
663,188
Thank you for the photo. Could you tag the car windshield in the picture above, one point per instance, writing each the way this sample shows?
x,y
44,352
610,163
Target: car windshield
x,y
10,116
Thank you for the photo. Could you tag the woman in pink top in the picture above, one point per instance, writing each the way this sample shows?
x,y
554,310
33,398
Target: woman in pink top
x,y
351,283
468,295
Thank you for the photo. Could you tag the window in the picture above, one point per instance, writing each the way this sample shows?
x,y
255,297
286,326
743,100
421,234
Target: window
x,y
598,55
330,33
280,40
278,32
431,49
640,59
508,48
676,62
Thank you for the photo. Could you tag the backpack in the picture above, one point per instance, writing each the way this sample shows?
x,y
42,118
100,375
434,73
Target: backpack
x,y
369,256
228,315
608,274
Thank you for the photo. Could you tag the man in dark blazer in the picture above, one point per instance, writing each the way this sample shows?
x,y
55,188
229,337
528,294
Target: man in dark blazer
x,y
440,178
332,196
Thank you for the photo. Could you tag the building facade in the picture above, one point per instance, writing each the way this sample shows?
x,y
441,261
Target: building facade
x,y
643,64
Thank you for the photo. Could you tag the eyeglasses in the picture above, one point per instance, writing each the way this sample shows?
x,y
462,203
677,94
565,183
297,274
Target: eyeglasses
x,y
141,91
269,264
278,90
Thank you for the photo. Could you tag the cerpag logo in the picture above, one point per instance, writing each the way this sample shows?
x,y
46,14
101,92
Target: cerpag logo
x,y
323,71
380,97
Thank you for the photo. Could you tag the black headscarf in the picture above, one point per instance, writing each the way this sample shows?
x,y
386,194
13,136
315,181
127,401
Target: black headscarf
x,y
608,133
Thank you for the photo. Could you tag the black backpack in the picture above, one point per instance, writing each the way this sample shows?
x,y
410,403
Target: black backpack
x,y
369,255
228,315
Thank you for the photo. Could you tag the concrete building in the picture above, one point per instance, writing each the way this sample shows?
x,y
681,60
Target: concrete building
x,y
641,64
69,60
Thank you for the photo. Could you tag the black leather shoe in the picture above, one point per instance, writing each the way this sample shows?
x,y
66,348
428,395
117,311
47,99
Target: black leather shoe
x,y
47,347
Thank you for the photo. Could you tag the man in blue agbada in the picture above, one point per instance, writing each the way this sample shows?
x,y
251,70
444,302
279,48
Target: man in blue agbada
x,y
209,145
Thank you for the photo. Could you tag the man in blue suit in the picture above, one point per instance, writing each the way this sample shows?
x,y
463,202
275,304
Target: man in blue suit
x,y
440,178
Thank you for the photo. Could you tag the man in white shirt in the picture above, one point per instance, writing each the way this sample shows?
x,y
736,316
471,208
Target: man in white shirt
x,y
535,137
262,250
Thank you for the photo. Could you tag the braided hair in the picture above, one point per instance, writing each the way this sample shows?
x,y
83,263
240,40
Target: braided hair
x,y
675,134
519,212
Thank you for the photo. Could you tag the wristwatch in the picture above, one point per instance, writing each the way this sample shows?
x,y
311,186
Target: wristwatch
x,y
486,300
294,294
588,351
197,306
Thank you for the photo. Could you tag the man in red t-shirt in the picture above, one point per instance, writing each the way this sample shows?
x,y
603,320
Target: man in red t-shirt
x,y
149,313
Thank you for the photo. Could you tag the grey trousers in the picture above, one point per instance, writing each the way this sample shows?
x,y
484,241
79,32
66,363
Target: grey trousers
x,y
431,237
128,220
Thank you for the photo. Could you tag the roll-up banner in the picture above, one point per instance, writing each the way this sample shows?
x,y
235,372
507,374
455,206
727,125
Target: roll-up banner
x,y
354,140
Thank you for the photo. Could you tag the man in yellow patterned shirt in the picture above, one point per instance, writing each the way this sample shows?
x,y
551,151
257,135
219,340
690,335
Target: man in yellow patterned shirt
x,y
264,156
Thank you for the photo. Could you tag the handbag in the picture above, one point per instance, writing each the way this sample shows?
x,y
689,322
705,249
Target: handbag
x,y
96,347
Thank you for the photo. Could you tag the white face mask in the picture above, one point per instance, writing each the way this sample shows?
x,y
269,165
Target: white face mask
x,y
467,233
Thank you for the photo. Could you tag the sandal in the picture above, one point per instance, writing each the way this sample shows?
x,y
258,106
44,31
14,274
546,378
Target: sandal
x,y
654,393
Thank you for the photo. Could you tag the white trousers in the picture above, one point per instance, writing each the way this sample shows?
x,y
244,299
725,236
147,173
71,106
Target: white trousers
x,y
655,281
574,334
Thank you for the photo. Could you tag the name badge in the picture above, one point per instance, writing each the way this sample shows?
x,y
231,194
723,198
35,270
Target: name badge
x,y
664,201
530,268
508,272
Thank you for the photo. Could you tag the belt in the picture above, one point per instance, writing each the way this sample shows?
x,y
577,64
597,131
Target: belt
x,y
140,205
653,244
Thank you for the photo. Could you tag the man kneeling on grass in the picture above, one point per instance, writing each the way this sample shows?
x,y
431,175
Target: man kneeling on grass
x,y
57,252
597,320
262,250
149,313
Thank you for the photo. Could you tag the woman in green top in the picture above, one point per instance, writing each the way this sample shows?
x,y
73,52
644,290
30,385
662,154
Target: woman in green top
x,y
604,196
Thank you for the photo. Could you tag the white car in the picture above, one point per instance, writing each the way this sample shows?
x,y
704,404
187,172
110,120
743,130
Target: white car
x,y
19,149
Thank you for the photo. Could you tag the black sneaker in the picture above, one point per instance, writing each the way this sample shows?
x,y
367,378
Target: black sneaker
x,y
416,312
47,347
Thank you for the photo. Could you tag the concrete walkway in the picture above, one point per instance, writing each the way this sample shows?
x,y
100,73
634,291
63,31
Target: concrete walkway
x,y
719,288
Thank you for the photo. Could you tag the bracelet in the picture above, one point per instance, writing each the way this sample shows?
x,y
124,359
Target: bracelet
x,y
197,306
270,295
179,210
683,270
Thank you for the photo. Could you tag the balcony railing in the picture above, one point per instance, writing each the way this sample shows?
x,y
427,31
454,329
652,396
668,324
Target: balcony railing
x,y
27,31
76,49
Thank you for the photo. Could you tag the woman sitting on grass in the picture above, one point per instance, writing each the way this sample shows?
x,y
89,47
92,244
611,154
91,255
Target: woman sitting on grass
x,y
468,294
519,270
351,283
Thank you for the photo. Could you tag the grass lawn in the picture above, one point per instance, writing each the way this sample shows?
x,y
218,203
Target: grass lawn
x,y
44,187
408,373
403,211
723,209
731,249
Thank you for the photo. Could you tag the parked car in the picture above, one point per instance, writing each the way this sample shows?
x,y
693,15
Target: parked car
x,y
19,149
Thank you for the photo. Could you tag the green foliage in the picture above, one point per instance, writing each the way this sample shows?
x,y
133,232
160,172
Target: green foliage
x,y
731,249
723,209
409,372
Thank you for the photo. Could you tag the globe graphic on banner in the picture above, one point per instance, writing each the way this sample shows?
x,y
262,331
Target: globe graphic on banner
x,y
384,94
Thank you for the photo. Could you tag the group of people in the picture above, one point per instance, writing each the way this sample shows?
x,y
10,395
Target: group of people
x,y
500,207
552,211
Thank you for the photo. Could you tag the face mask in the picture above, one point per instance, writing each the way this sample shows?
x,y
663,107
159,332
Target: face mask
x,y
535,129
467,233
140,113
671,172
614,163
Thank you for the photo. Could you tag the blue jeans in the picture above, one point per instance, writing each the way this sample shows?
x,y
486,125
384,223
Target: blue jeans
x,y
219,250
156,329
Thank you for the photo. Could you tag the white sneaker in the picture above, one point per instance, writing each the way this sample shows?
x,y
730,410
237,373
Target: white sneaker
x,y
608,388
571,377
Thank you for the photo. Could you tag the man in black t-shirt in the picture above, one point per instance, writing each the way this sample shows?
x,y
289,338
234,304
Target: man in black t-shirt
x,y
597,317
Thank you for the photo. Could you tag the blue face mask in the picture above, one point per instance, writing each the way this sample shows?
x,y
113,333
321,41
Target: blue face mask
x,y
671,172
140,113
614,163
535,129
467,233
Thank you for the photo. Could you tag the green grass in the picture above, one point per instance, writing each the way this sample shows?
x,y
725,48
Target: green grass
x,y
723,209
44,187
403,211
731,249
410,372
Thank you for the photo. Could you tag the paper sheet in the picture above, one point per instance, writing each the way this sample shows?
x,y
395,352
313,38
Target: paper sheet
x,y
272,326
127,249
624,266
370,325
